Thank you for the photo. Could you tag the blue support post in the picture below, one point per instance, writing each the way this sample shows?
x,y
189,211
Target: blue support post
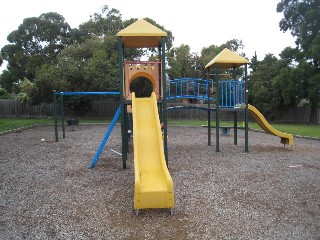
x,y
105,139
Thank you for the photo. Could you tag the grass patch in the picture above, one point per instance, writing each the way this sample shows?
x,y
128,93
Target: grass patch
x,y
293,128
7,124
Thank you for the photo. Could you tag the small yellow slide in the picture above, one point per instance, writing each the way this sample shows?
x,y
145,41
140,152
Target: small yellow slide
x,y
153,183
265,125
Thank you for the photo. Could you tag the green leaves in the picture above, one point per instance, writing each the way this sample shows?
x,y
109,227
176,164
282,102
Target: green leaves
x,y
301,79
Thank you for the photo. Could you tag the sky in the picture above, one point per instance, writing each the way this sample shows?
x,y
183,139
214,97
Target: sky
x,y
198,23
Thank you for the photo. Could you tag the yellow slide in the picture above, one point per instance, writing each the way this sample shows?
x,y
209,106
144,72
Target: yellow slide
x,y
153,183
263,123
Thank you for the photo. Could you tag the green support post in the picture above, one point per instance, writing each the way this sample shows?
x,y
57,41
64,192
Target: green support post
x,y
123,135
246,110
209,112
217,107
62,116
235,127
55,115
126,124
164,97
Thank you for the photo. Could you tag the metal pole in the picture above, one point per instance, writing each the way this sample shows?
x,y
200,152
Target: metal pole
x,y
209,112
235,127
164,97
55,115
246,110
126,124
121,79
159,104
106,137
217,107
62,116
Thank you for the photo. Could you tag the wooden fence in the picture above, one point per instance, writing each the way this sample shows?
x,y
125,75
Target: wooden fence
x,y
106,110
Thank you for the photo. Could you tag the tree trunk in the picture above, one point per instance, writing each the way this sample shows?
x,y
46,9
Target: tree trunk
x,y
313,113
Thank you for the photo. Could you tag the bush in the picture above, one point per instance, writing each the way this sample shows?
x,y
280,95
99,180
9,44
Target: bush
x,y
4,94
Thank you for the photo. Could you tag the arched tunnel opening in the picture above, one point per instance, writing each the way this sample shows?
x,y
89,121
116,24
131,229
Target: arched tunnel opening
x,y
141,86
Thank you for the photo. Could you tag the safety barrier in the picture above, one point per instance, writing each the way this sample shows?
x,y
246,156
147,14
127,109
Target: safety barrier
x,y
195,88
232,93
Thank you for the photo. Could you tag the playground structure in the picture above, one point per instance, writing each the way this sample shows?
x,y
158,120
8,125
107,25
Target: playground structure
x,y
153,183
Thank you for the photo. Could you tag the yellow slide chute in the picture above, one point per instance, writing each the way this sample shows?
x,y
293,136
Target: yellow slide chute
x,y
265,125
153,183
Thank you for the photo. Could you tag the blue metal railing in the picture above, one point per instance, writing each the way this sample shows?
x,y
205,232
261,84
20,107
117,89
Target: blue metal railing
x,y
195,88
231,91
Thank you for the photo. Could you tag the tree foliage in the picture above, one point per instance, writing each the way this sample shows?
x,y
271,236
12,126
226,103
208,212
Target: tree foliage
x,y
302,19
181,62
106,23
38,40
52,56
4,94
262,94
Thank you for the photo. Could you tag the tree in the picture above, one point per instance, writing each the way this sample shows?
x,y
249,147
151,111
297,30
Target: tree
x,y
207,54
302,19
181,62
106,23
48,78
234,45
262,93
26,88
38,40
4,94
254,62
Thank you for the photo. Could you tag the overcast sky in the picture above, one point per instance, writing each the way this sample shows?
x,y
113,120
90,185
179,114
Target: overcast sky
x,y
198,23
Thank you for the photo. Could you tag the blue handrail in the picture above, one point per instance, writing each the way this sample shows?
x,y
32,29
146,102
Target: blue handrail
x,y
195,88
232,91
86,93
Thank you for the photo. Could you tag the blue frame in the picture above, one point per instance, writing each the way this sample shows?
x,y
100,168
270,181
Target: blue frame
x,y
194,88
231,91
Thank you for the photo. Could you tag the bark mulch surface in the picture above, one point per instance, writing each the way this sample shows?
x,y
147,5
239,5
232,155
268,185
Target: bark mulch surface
x,y
49,192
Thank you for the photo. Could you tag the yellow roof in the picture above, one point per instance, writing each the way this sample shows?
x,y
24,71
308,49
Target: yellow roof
x,y
227,59
141,34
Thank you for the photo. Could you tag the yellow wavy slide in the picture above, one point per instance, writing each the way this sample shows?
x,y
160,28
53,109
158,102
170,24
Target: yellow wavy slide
x,y
265,125
153,184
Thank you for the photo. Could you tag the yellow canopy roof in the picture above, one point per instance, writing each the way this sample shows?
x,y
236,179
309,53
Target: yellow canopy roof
x,y
141,34
227,59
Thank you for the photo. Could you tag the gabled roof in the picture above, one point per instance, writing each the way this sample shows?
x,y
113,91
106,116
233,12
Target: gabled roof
x,y
227,59
141,34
